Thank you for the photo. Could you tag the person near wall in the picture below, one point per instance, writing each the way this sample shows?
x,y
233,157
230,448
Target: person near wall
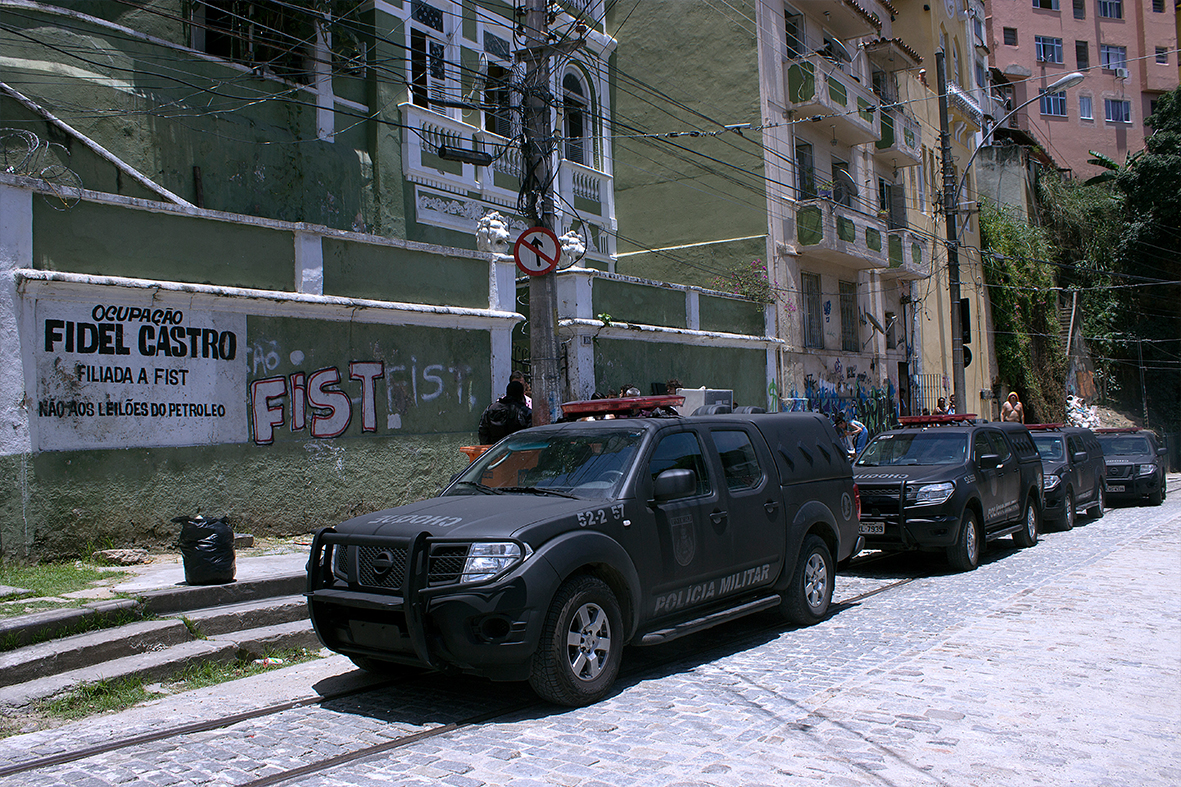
x,y
941,407
1013,410
519,376
506,415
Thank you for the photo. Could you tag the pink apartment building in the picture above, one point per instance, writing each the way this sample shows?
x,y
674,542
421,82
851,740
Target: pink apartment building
x,y
1126,48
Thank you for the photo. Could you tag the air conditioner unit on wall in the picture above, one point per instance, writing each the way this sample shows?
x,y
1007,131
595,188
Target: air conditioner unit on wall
x,y
1121,73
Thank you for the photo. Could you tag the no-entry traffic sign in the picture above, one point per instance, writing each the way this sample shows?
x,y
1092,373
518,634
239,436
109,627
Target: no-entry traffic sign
x,y
537,251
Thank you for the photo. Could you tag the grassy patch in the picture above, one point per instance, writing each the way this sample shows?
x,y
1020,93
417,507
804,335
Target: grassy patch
x,y
101,697
53,579
210,673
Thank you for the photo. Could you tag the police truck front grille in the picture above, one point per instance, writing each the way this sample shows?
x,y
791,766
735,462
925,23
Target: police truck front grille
x,y
447,561
1119,471
381,567
385,566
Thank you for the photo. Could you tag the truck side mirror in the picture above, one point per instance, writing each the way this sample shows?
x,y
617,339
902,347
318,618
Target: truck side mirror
x,y
674,484
989,461
1079,457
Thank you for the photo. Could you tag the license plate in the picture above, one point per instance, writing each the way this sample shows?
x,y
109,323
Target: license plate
x,y
871,528
1115,488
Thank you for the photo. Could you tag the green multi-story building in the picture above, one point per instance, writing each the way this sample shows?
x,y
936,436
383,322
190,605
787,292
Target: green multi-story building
x,y
238,242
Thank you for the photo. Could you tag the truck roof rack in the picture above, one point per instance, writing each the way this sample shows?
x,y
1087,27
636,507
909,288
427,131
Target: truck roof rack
x,y
938,420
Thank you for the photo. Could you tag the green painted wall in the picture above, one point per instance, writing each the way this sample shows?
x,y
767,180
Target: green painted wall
x,y
673,192
64,504
731,316
256,156
701,266
435,379
627,302
357,270
620,362
113,241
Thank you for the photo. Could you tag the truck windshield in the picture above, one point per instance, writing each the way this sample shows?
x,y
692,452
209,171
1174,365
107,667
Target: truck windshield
x,y
584,464
917,448
1124,445
1049,448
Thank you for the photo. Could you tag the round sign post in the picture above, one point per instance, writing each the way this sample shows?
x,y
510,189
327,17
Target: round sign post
x,y
537,251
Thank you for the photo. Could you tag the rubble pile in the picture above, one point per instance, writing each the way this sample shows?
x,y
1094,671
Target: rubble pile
x,y
1079,414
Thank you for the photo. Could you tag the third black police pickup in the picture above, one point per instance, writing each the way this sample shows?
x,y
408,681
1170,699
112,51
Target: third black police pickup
x,y
564,543
949,483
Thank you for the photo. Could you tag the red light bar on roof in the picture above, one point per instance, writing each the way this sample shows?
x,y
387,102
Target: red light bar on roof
x,y
623,405
935,420
1043,427
1121,430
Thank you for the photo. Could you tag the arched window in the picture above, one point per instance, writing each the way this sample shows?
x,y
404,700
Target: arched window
x,y
574,124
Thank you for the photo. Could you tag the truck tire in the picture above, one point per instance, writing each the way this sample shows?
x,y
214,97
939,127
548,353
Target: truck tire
x,y
808,596
581,644
964,554
1096,510
1068,510
1027,535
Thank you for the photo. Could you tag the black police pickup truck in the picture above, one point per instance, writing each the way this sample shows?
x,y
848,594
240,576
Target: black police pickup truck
x,y
949,483
1073,470
564,543
1135,465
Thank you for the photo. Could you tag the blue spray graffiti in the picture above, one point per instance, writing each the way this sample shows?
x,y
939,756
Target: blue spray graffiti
x,y
875,407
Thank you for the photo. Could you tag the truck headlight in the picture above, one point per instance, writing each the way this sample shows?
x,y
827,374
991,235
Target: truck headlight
x,y
486,560
933,494
1147,469
1051,481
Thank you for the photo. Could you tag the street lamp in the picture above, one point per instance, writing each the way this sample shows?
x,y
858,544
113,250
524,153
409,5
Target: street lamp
x,y
951,194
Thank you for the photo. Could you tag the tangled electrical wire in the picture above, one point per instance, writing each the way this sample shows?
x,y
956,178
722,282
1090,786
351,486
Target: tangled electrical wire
x,y
24,153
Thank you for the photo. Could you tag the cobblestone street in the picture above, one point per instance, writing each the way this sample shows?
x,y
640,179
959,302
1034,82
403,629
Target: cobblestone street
x,y
1056,665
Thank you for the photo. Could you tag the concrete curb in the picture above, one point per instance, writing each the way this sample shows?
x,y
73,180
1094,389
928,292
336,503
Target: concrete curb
x,y
185,597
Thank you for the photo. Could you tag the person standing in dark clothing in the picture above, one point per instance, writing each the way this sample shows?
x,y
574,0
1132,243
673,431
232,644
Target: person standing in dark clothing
x,y
506,415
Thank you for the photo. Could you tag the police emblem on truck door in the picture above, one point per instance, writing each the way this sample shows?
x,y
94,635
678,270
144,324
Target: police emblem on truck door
x,y
684,540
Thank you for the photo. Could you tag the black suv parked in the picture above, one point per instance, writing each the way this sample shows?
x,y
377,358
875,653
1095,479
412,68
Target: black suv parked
x,y
1075,473
1135,465
563,543
949,483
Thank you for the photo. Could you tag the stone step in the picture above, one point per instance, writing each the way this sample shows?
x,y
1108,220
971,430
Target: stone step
x,y
69,653
158,664
246,615
167,662
24,630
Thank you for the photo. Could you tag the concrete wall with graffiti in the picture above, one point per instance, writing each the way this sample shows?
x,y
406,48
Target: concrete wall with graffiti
x,y
128,401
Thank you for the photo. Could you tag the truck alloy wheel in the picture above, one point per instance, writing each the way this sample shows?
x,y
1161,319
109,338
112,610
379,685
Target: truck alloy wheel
x,y
581,644
1027,535
964,554
807,598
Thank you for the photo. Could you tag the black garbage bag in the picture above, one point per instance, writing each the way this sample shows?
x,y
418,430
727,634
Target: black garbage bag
x,y
207,548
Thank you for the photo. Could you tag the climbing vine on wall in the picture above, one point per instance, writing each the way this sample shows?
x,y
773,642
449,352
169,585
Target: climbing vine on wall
x,y
1024,312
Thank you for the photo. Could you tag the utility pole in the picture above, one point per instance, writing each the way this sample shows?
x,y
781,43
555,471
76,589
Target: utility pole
x,y
1143,388
953,252
543,291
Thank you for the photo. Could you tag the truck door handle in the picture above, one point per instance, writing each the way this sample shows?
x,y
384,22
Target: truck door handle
x,y
771,507
718,517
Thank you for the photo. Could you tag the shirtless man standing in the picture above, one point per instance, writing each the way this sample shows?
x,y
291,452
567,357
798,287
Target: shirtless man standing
x,y
1012,409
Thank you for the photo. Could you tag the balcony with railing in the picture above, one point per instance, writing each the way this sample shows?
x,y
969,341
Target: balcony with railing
x,y
585,196
965,104
816,85
902,139
908,256
827,231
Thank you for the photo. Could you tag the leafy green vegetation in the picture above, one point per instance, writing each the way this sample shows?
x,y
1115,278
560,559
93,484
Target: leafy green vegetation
x,y
1029,355
748,281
